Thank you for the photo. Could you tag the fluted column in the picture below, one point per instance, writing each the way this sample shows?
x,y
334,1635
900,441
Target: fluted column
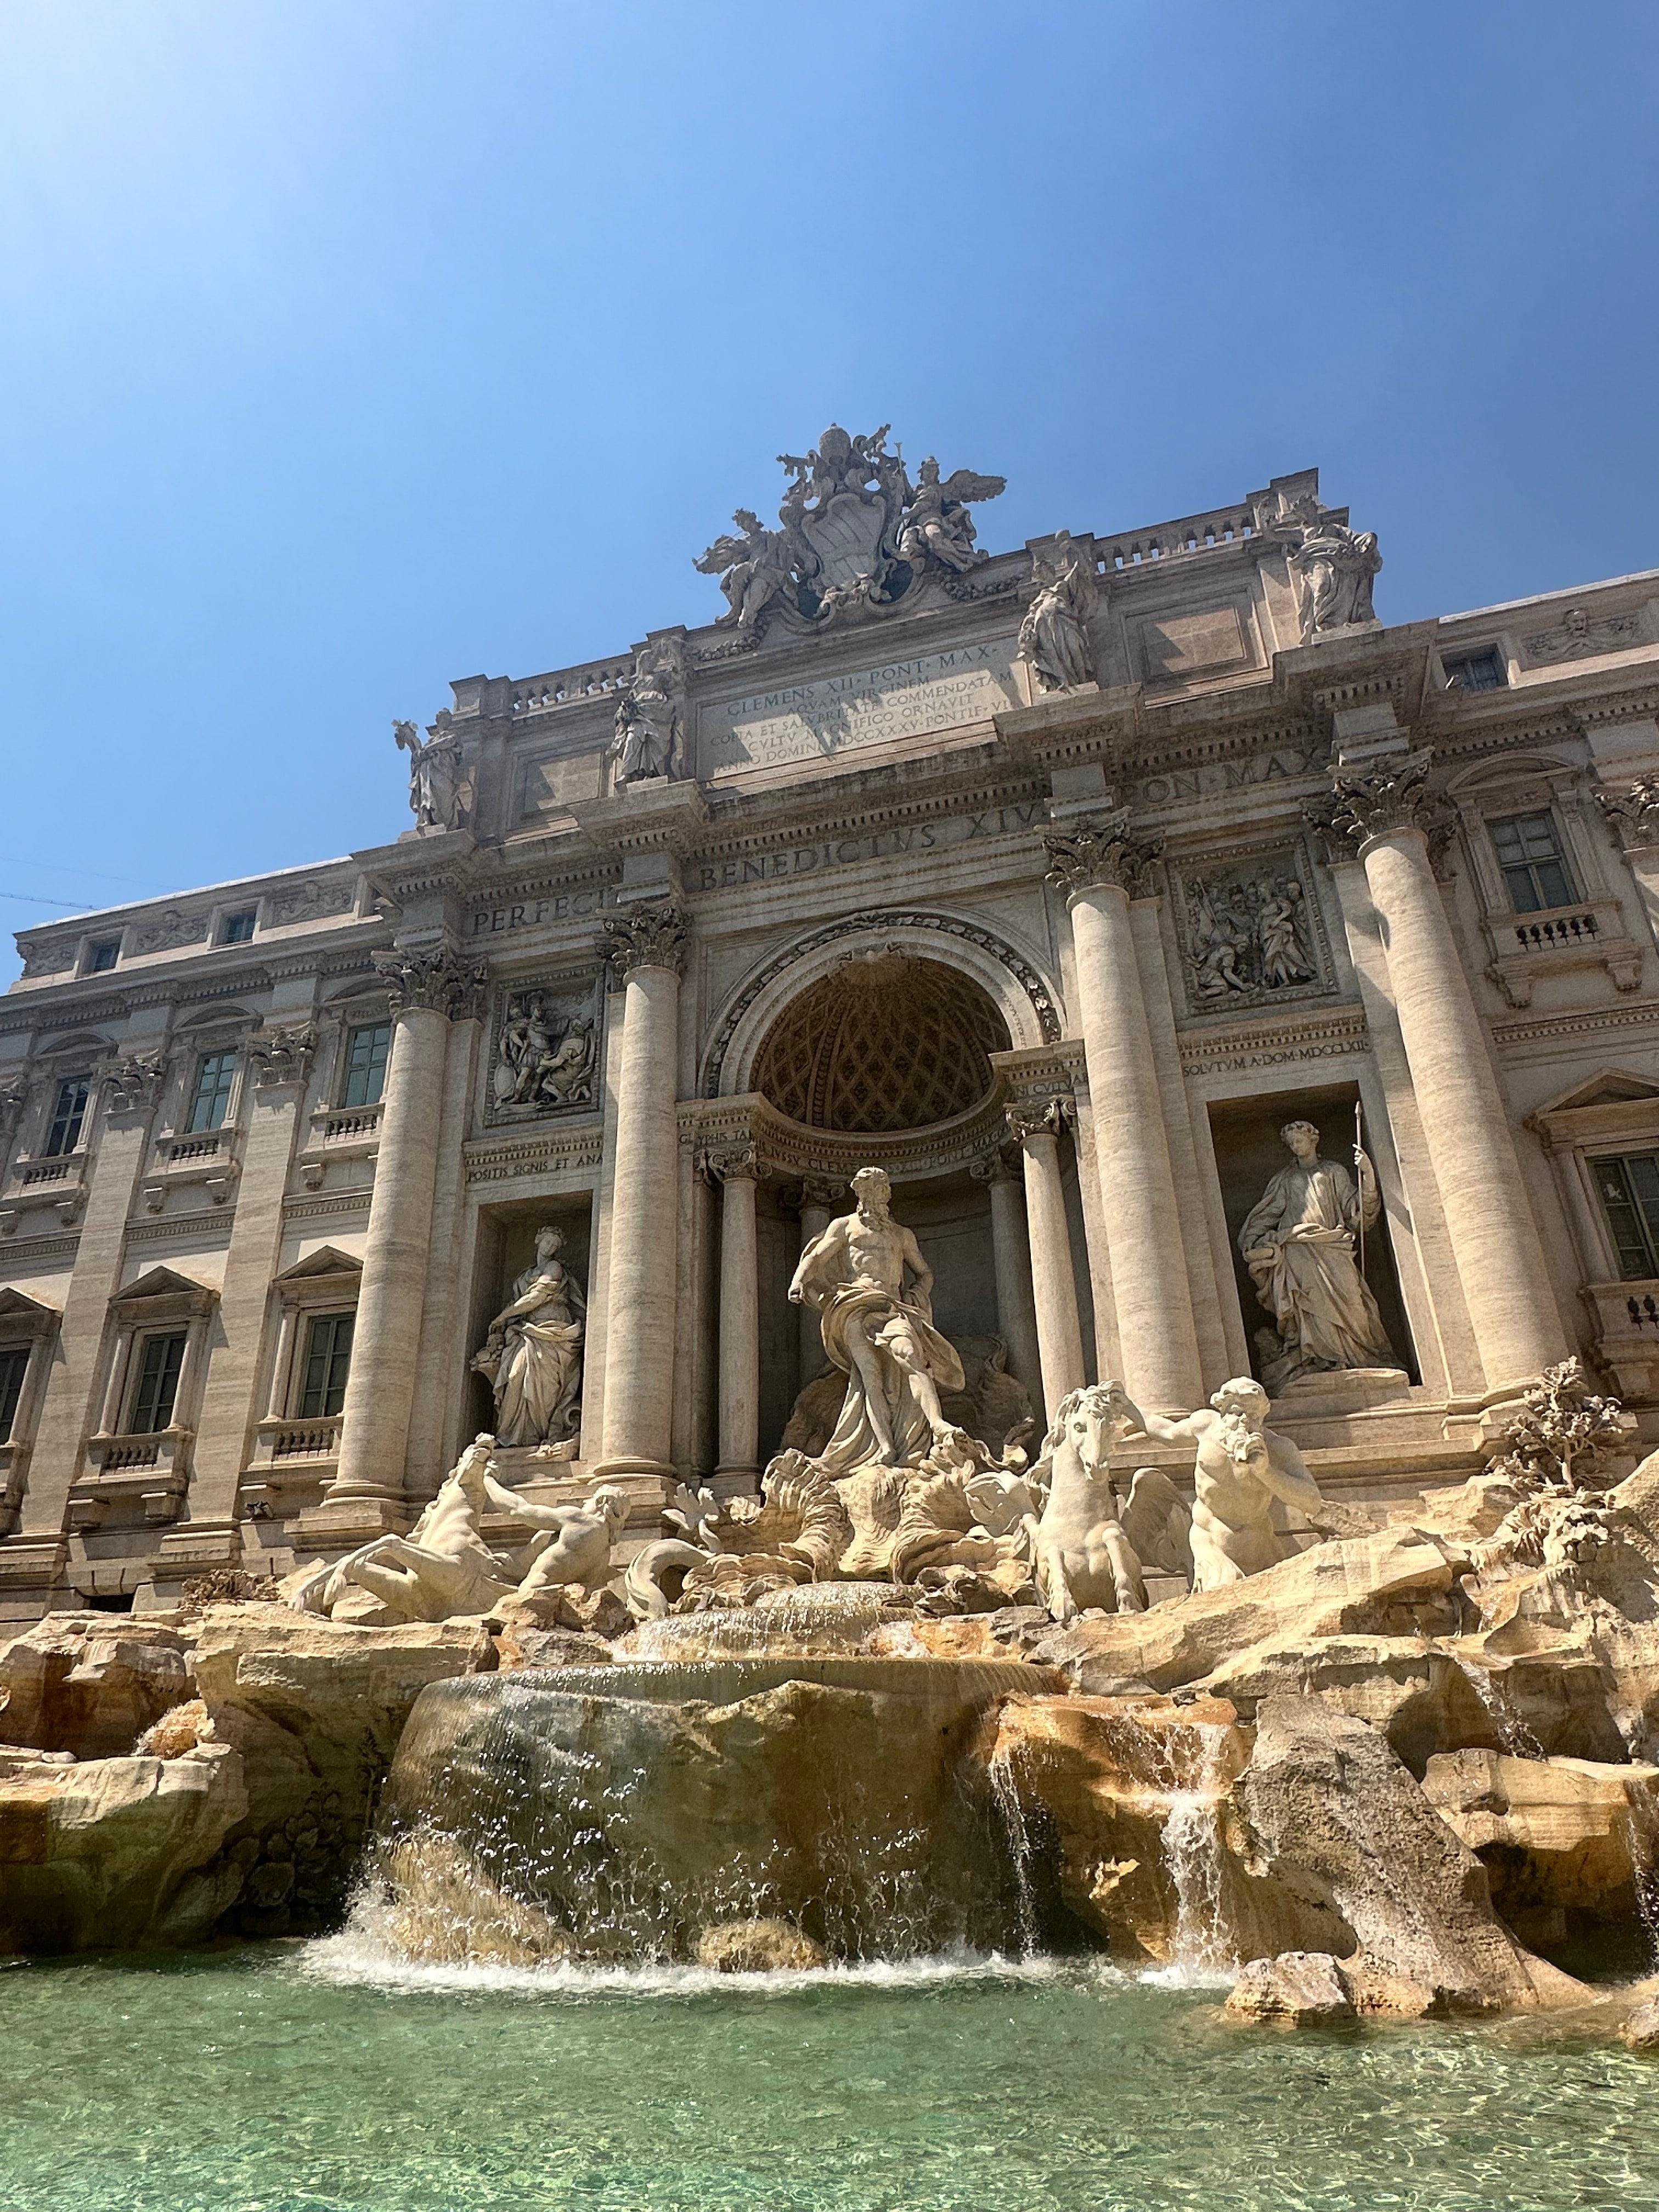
x,y
1382,815
1010,1261
1054,1284
818,1198
738,1171
431,987
1099,864
649,947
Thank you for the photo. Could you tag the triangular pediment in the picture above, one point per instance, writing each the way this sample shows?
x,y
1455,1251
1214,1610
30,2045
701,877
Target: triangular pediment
x,y
327,1260
167,1283
17,1305
1608,1087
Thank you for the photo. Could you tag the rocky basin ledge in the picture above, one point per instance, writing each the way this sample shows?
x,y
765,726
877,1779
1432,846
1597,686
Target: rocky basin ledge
x,y
1413,1771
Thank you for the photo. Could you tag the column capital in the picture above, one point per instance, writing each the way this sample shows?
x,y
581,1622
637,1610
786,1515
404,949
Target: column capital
x,y
1632,809
133,1082
1394,794
1038,1117
434,979
993,1167
1098,852
823,1191
732,1162
649,937
282,1056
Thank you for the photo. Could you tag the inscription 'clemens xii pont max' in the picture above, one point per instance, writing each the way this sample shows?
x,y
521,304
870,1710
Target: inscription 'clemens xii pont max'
x,y
866,707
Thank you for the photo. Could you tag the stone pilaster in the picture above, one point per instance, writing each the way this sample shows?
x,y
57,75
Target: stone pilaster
x,y
127,1097
1100,866
1036,1128
279,1061
1385,815
431,986
737,1169
1010,1258
649,947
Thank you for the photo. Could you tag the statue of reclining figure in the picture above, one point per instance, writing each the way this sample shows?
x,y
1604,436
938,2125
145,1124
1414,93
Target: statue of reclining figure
x,y
443,1567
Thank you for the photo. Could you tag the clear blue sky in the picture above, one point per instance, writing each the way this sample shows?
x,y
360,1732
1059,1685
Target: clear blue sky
x,y
352,345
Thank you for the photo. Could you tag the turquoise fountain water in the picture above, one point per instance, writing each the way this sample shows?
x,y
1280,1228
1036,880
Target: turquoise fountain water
x,y
330,2078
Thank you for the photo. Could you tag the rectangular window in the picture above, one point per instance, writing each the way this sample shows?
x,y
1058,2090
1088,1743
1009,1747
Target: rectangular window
x,y
327,1363
1629,1189
1533,863
14,1366
238,928
102,957
365,1064
1478,671
160,1359
211,1097
68,1113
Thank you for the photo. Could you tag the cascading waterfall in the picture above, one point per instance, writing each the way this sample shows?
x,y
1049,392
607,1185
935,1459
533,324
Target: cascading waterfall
x,y
1193,1854
1641,1823
1005,1792
1513,1734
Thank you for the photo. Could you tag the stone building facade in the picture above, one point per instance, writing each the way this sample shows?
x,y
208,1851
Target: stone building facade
x,y
1055,882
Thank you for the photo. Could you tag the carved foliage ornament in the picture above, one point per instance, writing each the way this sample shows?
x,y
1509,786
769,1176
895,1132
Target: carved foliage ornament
x,y
434,979
650,937
1579,635
170,930
1039,1117
282,1056
133,1083
1633,809
1100,852
1394,795
309,901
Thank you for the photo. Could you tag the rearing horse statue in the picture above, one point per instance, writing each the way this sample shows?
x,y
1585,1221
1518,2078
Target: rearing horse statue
x,y
1086,1552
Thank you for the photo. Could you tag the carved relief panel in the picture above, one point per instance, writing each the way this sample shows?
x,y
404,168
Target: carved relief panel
x,y
545,1053
1249,929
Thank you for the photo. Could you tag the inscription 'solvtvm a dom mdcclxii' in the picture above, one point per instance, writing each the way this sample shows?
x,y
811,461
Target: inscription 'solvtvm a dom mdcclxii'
x,y
1223,982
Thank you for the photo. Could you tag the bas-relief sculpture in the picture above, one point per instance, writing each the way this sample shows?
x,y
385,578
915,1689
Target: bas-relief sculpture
x,y
532,1354
1250,931
444,1568
441,785
856,535
544,1058
1297,1242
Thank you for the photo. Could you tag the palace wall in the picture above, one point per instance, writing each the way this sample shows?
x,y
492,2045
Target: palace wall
x,y
683,936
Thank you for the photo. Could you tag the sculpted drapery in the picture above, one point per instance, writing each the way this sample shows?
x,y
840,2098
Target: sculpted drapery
x,y
1298,1244
532,1354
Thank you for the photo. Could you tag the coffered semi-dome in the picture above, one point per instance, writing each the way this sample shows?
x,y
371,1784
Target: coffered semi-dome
x,y
882,1044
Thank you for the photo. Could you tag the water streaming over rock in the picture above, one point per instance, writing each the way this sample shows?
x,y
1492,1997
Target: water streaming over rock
x,y
618,1812
1005,1792
1194,1856
1513,1734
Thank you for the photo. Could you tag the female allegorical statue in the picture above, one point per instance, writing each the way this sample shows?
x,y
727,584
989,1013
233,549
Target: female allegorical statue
x,y
532,1354
1299,1243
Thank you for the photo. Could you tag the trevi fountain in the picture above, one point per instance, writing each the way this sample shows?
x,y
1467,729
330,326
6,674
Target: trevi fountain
x,y
977,1527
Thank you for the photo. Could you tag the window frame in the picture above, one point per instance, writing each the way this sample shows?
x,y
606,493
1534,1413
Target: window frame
x,y
167,1376
72,1122
97,948
222,1092
1460,659
231,930
1643,1243
372,1072
1529,864
13,1359
327,1385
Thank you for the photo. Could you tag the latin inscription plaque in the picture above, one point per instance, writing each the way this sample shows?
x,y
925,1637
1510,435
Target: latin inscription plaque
x,y
907,698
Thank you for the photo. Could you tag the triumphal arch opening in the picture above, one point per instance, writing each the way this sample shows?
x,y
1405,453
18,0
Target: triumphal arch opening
x,y
942,979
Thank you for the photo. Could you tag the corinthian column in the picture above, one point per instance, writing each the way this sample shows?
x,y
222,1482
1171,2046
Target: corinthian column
x,y
819,1196
649,948
1036,1128
431,987
1381,817
1099,866
739,1170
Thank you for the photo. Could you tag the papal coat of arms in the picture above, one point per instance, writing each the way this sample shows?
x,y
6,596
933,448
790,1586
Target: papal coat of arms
x,y
856,535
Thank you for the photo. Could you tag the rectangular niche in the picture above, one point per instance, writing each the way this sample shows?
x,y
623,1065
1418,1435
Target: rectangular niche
x,y
1249,1152
507,1246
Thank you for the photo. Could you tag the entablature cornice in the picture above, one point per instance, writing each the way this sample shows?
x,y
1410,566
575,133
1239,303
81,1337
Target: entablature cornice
x,y
546,1151
1336,1032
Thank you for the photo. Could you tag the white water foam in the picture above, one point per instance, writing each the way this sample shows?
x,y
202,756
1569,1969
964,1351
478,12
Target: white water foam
x,y
359,1959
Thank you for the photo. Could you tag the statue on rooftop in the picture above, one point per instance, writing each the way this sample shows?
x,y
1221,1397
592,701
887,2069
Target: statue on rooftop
x,y
936,525
753,568
649,740
440,784
1334,568
1054,638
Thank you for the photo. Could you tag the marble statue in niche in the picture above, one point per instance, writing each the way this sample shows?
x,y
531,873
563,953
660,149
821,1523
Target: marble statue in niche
x,y
649,743
440,784
532,1355
544,1060
1250,931
1054,637
872,1290
1297,1242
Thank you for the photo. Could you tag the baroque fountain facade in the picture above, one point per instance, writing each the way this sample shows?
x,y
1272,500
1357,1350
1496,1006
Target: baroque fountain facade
x,y
925,1267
